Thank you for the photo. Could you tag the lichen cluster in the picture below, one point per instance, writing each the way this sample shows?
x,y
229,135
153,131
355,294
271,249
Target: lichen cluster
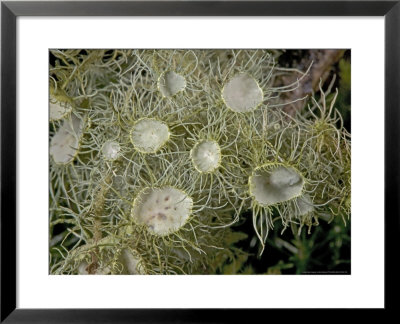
x,y
156,154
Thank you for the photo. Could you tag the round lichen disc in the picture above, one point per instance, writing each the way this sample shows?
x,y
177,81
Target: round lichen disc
x,y
170,83
59,110
162,210
270,186
242,93
64,144
206,156
148,135
110,150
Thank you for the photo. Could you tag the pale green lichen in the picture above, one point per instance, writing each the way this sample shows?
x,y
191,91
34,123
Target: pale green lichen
x,y
64,144
242,93
111,150
170,83
59,110
149,135
304,206
155,154
206,156
162,210
270,185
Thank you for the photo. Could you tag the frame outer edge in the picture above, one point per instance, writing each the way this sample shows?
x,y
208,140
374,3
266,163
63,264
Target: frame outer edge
x,y
8,162
202,8
8,159
392,153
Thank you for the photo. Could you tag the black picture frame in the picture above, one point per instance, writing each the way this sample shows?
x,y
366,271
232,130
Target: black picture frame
x,y
10,10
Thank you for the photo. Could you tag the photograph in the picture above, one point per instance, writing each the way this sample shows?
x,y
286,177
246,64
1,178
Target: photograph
x,y
199,161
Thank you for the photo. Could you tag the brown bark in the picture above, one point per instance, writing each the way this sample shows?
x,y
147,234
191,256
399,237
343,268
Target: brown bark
x,y
322,62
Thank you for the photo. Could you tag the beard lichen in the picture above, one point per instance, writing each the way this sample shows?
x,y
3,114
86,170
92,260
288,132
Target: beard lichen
x,y
274,183
111,150
242,93
162,210
64,144
156,155
149,135
206,156
170,83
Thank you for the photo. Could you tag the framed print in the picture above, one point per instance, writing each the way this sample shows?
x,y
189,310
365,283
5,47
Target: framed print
x,y
191,161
